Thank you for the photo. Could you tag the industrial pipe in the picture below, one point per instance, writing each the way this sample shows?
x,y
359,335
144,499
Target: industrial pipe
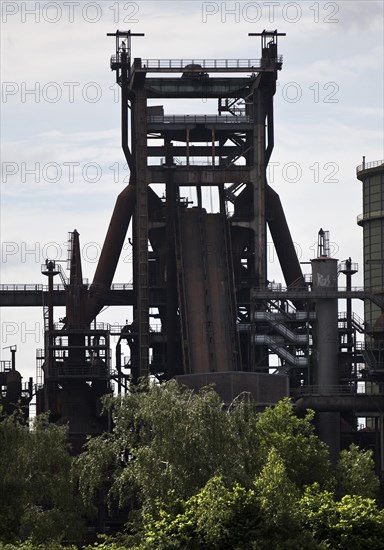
x,y
111,251
282,239
341,403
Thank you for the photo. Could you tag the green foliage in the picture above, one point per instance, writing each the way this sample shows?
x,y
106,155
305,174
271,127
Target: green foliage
x,y
165,440
217,517
355,473
13,456
305,457
99,463
194,474
118,542
277,495
353,522
170,440
225,518
36,492
28,545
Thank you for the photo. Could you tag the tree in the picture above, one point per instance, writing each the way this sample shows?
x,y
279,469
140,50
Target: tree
x,y
37,496
190,466
277,495
305,457
353,522
222,517
278,498
169,441
355,473
13,453
217,517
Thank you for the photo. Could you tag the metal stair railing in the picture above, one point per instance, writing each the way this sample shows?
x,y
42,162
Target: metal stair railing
x,y
274,345
289,334
356,321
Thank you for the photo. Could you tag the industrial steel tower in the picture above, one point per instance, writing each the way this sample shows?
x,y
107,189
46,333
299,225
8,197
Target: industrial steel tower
x,y
205,264
201,308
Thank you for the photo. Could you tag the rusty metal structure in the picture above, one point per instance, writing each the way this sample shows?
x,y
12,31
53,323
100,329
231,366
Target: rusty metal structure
x,y
201,307
13,393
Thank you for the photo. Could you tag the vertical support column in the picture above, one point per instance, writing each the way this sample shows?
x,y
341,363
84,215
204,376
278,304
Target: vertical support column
x,y
139,138
171,281
233,334
258,181
187,146
13,358
49,269
257,263
326,376
118,365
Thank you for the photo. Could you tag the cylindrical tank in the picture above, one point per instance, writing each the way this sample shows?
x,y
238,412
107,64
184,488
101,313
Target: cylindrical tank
x,y
13,393
371,174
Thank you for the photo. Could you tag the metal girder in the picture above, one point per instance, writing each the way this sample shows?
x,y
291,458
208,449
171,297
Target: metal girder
x,y
180,87
200,175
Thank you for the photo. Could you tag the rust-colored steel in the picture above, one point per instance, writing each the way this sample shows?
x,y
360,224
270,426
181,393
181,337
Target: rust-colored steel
x,y
76,294
207,294
282,239
110,254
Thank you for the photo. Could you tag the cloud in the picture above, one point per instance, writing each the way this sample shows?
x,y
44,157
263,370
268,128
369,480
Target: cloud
x,y
309,133
62,163
361,15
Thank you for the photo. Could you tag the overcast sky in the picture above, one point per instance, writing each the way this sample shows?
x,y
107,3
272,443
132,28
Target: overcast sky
x,y
62,166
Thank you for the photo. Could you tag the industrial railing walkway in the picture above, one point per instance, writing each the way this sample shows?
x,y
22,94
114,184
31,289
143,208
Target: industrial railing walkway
x,y
199,119
368,165
199,65
44,288
327,390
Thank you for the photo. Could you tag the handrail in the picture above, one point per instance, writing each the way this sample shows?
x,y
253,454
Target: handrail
x,y
271,288
44,288
85,328
347,266
343,316
277,287
159,119
121,286
5,366
369,347
28,287
370,215
204,64
368,165
195,65
326,390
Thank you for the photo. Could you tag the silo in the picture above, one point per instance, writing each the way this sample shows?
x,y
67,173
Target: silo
x,y
371,174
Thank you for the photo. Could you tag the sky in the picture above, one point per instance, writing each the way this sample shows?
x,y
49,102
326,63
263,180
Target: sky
x,y
61,162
